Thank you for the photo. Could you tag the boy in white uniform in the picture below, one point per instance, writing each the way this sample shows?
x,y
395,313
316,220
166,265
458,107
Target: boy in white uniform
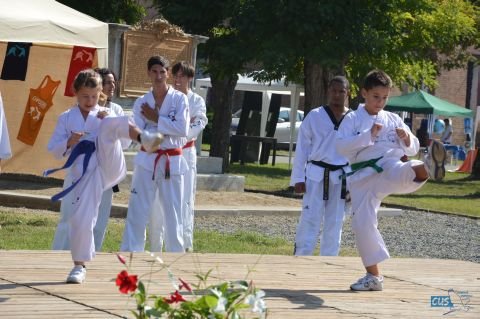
x,y
317,168
91,140
5,150
163,110
183,74
61,240
374,140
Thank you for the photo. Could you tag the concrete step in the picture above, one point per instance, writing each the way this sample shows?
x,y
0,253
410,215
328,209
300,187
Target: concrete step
x,y
205,164
13,199
206,182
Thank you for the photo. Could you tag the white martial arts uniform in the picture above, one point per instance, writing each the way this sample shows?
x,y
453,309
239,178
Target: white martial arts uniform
x,y
5,149
367,186
106,168
173,123
316,142
61,240
198,121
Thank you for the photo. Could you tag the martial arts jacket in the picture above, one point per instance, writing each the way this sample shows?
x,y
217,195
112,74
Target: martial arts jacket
x,y
173,123
354,140
316,142
198,115
73,121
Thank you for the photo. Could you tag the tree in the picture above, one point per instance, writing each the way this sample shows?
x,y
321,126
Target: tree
x,y
411,40
310,41
113,11
227,52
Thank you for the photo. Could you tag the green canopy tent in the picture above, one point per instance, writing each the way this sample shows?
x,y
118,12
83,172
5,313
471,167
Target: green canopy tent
x,y
424,103
421,102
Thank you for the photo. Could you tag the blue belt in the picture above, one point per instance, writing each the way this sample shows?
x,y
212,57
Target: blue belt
x,y
83,147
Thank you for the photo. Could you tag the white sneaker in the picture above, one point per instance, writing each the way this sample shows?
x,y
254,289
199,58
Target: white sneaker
x,y
151,141
77,275
368,283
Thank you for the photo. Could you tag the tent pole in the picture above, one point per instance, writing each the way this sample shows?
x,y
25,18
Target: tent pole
x,y
294,100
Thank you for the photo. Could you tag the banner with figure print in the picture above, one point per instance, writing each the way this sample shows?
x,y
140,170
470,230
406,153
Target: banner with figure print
x,y
82,58
16,61
39,102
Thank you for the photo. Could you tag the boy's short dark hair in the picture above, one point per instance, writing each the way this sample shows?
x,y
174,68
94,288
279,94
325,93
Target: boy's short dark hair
x,y
340,79
186,68
104,72
377,78
157,59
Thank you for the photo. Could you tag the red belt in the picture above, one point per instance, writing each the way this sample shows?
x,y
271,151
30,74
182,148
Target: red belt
x,y
168,152
189,144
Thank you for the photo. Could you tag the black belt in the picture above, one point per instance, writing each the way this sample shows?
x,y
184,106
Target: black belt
x,y
326,177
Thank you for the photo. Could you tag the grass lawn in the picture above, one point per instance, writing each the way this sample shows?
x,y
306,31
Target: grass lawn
x,y
456,194
263,177
34,231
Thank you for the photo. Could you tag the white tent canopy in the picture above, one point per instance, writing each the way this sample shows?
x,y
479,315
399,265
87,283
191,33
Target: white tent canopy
x,y
249,84
54,30
50,22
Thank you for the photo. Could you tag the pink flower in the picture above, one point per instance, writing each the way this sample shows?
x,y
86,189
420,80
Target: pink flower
x,y
126,282
122,259
184,285
174,298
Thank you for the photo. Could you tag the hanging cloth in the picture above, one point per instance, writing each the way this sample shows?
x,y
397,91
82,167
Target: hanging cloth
x,y
39,102
82,58
16,61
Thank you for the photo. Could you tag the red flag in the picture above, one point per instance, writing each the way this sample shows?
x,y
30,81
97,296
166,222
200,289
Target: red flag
x,y
82,58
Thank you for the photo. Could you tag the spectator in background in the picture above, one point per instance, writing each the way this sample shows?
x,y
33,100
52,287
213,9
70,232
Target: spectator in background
x,y
422,133
447,133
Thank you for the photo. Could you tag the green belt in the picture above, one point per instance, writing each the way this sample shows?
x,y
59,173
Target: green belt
x,y
370,163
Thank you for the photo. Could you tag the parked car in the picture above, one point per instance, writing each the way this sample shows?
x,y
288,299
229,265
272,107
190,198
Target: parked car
x,y
282,131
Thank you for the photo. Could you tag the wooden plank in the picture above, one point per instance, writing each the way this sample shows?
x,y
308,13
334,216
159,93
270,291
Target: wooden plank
x,y
32,284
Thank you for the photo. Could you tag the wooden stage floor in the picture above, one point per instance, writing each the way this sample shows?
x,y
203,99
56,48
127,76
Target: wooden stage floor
x,y
32,285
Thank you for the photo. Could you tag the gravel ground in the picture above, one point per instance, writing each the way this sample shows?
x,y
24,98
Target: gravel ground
x,y
413,234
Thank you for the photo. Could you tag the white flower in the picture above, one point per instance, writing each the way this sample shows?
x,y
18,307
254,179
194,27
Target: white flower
x,y
221,302
256,302
220,307
216,292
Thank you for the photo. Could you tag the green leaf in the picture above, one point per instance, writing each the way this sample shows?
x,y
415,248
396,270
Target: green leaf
x,y
137,316
155,312
141,288
211,301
